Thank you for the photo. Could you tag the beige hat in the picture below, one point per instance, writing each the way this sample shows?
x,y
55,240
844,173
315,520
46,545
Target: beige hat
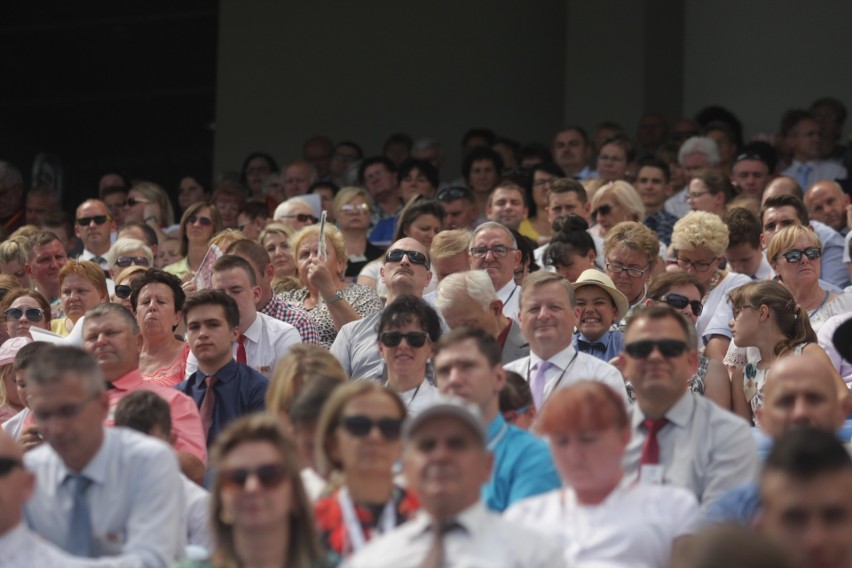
x,y
593,277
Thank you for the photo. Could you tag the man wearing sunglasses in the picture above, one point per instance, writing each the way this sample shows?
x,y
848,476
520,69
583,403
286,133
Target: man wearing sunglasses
x,y
100,492
406,272
679,437
295,213
93,225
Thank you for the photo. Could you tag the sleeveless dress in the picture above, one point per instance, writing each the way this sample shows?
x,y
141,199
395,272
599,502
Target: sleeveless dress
x,y
754,381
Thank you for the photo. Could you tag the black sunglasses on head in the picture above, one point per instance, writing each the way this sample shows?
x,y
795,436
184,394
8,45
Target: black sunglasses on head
x,y
667,347
98,219
394,338
7,464
679,302
33,314
122,291
395,255
269,476
360,426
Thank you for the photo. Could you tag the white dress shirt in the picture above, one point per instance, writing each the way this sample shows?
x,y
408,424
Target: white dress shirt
x,y
267,340
136,500
635,525
510,295
484,540
197,514
821,170
22,548
565,371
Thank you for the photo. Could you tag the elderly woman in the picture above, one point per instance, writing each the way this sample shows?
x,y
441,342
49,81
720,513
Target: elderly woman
x,y
700,240
614,203
572,249
601,516
408,330
352,206
326,297
127,252
275,238
23,309
197,226
157,299
615,155
359,437
631,251
260,513
710,191
13,258
82,286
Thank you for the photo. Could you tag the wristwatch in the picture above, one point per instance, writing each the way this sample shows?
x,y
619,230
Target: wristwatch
x,y
336,297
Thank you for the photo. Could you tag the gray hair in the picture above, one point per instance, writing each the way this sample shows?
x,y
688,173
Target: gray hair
x,y
424,144
56,362
109,308
125,245
285,206
700,144
475,284
493,225
10,174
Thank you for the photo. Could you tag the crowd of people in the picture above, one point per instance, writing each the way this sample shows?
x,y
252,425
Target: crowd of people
x,y
605,351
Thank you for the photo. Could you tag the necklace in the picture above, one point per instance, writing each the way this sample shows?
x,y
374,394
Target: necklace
x,y
821,304
714,281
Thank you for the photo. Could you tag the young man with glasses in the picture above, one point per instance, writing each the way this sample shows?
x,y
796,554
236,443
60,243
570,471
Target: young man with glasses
x,y
94,225
679,437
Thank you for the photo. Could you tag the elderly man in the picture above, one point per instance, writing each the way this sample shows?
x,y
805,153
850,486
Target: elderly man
x,y
406,271
45,259
297,178
111,335
494,249
468,299
548,305
695,154
445,461
679,437
827,203
100,492
295,213
467,364
93,226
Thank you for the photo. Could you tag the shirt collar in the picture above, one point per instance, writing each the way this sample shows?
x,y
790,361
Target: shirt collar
x,y
128,382
224,374
602,339
560,360
506,290
254,330
678,414
470,519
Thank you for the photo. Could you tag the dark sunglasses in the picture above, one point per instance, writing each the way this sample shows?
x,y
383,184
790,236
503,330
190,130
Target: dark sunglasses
x,y
301,217
269,476
205,221
98,219
415,257
394,338
795,255
122,291
8,464
667,347
125,261
33,314
134,201
602,210
453,193
679,302
359,426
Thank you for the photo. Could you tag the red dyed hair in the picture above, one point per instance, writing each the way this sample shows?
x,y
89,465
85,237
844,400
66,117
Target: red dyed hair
x,y
586,405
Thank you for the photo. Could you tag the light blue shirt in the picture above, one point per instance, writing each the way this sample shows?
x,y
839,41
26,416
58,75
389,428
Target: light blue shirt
x,y
613,340
522,466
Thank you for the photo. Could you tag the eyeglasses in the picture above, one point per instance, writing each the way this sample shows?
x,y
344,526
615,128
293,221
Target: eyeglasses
x,y
453,193
696,195
98,219
511,416
66,412
602,210
395,255
362,208
795,255
269,476
679,302
360,426
300,217
134,201
8,464
698,266
667,348
205,221
394,338
122,291
618,269
498,251
33,314
748,156
125,261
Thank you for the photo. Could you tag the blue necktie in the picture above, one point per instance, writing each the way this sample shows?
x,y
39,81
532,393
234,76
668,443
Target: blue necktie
x,y
804,174
80,522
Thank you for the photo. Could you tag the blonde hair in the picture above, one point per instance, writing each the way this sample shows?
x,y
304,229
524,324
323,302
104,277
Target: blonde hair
x,y
449,243
304,362
636,236
540,277
625,194
153,192
14,249
275,228
701,229
333,237
346,195
224,238
125,245
786,238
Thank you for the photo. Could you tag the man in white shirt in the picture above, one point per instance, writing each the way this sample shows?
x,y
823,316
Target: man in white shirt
x,y
547,320
94,226
801,133
494,249
263,340
99,492
445,462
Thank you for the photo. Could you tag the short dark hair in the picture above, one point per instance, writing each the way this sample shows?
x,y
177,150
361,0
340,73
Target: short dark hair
x,y
406,309
485,133
624,143
142,410
150,234
661,313
656,163
352,145
792,118
398,138
481,153
255,209
112,190
455,193
485,343
155,275
570,236
836,106
423,166
324,185
28,354
743,227
806,452
231,261
579,130
211,297
270,161
537,150
367,162
515,394
412,211
570,185
785,201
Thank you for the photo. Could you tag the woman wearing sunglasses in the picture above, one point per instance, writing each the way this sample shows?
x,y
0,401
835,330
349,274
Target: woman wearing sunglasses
x,y
614,203
683,292
358,440
82,286
149,203
126,252
352,206
23,309
197,226
259,510
124,283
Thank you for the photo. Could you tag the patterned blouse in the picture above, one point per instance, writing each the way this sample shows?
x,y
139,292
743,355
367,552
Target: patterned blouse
x,y
363,300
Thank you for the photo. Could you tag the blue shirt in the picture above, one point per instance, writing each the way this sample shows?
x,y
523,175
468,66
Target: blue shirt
x,y
612,340
739,505
522,466
239,390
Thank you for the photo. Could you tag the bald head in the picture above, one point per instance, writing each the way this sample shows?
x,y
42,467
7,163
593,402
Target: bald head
x,y
826,202
404,276
781,186
16,483
801,390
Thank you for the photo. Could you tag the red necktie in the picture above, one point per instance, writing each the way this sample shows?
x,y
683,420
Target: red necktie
x,y
651,447
241,350
207,403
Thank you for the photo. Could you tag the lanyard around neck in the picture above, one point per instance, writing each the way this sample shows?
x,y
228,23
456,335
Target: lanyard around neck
x,y
387,521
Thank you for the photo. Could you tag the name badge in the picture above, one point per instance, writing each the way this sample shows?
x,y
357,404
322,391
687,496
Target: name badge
x,y
651,474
